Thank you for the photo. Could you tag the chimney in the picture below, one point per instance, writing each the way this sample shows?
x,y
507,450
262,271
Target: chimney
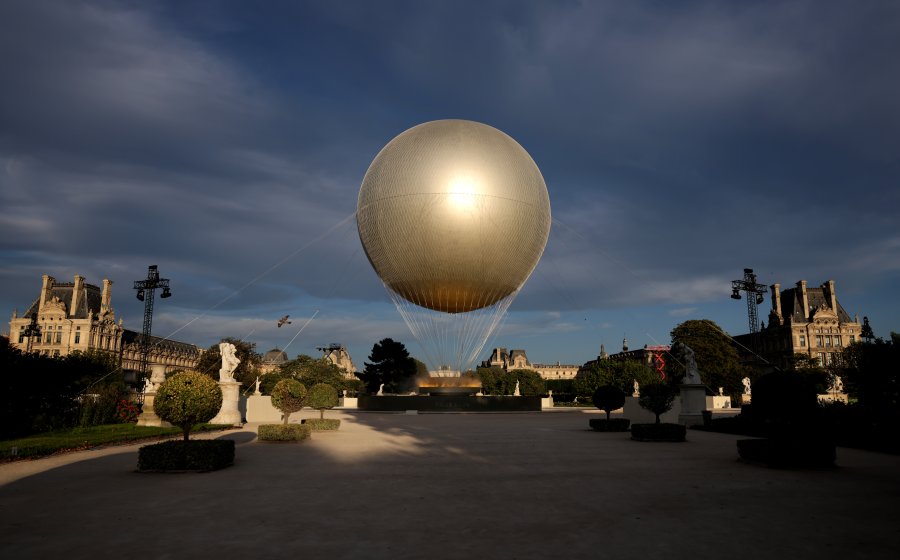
x,y
107,295
804,299
776,300
832,297
76,295
45,289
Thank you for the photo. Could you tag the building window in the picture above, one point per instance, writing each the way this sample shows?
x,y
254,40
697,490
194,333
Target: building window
x,y
77,335
827,359
59,337
821,357
803,341
828,341
838,341
852,339
818,341
47,336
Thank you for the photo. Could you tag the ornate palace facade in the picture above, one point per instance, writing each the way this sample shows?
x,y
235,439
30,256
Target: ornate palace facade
x,y
76,316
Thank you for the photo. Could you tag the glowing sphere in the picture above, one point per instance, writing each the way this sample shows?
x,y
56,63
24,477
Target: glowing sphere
x,y
453,215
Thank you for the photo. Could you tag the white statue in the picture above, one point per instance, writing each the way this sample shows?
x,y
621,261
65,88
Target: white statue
x,y
381,389
637,389
516,392
721,391
691,374
746,382
257,386
837,384
230,361
148,386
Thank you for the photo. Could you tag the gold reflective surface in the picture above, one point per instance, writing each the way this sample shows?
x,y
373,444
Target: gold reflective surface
x,y
453,215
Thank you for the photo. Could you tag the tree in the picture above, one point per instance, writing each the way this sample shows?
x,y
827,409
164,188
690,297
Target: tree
x,y
618,373
491,379
717,360
866,333
389,364
657,398
323,396
289,395
211,362
870,373
188,398
608,398
531,384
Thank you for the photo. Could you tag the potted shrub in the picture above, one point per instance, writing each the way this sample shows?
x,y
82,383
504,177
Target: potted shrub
x,y
288,396
608,398
186,399
322,396
658,399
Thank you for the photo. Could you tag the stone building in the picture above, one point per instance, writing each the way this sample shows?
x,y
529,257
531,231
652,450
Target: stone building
x,y
272,360
76,316
518,359
338,355
654,357
803,320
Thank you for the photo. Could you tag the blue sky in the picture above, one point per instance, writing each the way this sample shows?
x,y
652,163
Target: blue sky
x,y
226,142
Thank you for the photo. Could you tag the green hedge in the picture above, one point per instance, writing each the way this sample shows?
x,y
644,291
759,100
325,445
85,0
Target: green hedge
x,y
322,423
283,432
192,455
611,425
658,432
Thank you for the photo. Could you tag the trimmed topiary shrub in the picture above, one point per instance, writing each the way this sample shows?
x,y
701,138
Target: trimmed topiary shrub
x,y
658,432
195,455
657,398
283,432
609,425
322,423
323,396
608,398
188,398
288,396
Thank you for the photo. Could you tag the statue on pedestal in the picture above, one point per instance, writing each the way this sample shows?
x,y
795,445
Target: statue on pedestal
x,y
746,382
691,374
516,393
230,361
637,390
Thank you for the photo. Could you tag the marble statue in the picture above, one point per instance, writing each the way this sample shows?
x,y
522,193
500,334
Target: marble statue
x,y
637,389
837,385
721,391
746,382
257,386
516,393
148,385
230,361
381,389
691,374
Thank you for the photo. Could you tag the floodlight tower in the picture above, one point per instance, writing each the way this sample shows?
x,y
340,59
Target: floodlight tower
x,y
755,295
146,290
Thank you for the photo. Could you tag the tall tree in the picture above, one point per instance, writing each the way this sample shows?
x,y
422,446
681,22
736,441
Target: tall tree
x,y
619,373
389,364
717,360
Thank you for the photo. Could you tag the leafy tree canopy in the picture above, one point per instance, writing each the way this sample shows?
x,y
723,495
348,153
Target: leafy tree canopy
x,y
289,395
187,398
618,373
657,398
389,364
322,396
496,381
870,373
717,360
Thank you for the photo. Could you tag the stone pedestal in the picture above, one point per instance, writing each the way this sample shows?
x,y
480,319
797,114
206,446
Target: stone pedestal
x,y
230,413
348,402
693,403
148,415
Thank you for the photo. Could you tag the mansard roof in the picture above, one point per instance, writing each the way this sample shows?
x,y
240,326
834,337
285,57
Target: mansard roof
x,y
88,302
133,337
792,304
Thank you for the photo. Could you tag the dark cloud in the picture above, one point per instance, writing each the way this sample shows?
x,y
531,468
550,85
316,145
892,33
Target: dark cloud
x,y
680,143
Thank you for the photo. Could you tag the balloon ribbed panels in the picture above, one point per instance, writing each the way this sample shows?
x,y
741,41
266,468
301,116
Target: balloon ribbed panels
x,y
453,215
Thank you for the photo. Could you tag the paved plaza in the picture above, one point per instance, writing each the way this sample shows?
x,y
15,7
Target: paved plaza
x,y
398,486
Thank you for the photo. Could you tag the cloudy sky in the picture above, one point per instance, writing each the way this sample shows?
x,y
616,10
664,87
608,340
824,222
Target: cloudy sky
x,y
226,142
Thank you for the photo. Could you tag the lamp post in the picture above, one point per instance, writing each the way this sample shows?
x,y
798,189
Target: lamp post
x,y
32,330
146,290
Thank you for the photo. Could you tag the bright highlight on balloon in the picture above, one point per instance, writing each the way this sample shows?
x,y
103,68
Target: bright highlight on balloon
x,y
454,216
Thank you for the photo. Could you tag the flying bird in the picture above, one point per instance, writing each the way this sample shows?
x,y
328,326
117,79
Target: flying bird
x,y
283,321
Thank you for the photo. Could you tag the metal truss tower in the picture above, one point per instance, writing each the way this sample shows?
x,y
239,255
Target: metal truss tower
x,y
146,290
755,295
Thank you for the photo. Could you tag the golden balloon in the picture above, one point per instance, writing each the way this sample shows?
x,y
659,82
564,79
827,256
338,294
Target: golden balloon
x,y
453,215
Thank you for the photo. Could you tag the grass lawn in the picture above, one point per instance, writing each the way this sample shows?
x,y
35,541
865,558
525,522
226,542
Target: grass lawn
x,y
38,445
